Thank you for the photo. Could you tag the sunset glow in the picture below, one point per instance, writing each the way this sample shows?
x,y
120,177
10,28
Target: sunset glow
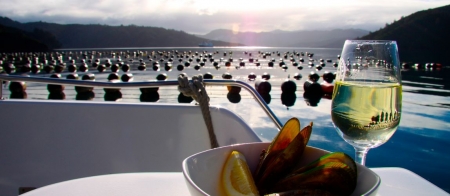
x,y
202,16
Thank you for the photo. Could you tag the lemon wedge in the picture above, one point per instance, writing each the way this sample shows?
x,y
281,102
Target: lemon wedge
x,y
236,178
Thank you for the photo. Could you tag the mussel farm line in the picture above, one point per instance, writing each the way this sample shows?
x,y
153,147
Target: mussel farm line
x,y
281,69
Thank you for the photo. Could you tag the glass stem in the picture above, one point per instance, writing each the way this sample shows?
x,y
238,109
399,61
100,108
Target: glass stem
x,y
360,155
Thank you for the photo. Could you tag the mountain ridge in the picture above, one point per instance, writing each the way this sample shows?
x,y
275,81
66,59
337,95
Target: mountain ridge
x,y
105,36
280,38
422,37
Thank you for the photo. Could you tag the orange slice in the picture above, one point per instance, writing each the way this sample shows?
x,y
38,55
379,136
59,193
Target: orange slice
x,y
236,178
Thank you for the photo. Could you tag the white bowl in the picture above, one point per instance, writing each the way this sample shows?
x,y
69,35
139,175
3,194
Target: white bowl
x,y
202,170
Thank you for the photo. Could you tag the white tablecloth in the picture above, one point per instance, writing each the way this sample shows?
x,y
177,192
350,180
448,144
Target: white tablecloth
x,y
394,181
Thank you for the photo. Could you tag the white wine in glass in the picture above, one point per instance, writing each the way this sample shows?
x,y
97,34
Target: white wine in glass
x,y
367,96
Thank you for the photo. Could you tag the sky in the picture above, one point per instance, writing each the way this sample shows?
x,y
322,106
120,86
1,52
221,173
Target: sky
x,y
203,16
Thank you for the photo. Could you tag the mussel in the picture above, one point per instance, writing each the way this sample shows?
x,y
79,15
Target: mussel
x,y
279,171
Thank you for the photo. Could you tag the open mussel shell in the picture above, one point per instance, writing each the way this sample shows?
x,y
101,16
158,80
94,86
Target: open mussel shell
x,y
281,164
284,161
334,177
289,131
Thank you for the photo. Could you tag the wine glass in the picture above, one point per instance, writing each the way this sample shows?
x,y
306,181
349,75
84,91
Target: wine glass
x,y
367,97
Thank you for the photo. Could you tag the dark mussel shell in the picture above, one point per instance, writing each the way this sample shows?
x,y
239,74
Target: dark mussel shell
x,y
283,162
289,131
335,177
332,157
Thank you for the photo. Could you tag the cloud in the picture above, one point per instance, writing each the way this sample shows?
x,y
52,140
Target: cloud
x,y
202,16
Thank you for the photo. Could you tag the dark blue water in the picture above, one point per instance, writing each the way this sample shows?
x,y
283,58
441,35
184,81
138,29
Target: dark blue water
x,y
420,144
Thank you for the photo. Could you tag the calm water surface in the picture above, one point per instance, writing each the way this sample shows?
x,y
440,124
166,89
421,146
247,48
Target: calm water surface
x,y
420,144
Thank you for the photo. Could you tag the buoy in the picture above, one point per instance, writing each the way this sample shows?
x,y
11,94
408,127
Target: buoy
x,y
266,97
83,67
288,99
57,96
25,68
180,67
251,76
17,87
328,76
313,76
101,68
113,76
288,86
72,68
263,86
233,89
265,76
112,94
127,77
82,89
89,95
313,88
168,66
327,88
155,67
95,64
125,68
297,76
18,95
47,69
115,67
208,75
234,97
35,68
54,88
161,77
184,99
72,76
318,67
227,75
311,99
150,96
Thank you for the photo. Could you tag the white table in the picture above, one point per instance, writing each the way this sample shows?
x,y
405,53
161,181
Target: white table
x,y
394,181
